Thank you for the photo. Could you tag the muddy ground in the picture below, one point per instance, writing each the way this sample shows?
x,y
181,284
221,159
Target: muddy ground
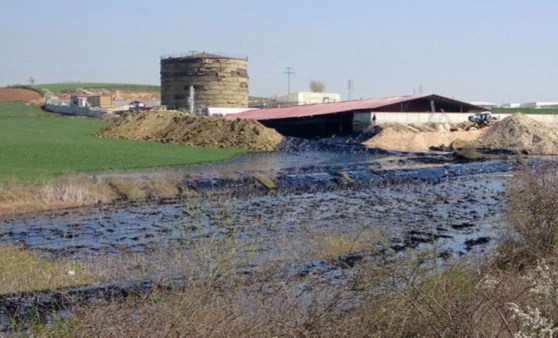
x,y
327,190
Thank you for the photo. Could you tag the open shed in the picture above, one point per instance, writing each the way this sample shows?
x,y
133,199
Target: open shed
x,y
319,120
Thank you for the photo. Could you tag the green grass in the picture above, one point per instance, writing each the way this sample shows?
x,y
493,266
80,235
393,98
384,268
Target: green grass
x,y
527,111
22,271
259,98
35,146
125,87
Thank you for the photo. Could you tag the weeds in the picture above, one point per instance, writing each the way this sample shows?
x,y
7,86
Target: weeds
x,y
66,192
22,271
396,296
531,212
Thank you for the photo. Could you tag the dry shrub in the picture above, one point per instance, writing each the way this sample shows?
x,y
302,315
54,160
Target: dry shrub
x,y
198,311
128,189
531,212
66,192
74,190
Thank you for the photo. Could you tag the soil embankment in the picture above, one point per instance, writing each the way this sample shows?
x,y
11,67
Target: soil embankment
x,y
20,94
418,137
521,134
186,129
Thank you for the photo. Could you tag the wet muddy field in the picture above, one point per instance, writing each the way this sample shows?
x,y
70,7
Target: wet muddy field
x,y
400,201
453,210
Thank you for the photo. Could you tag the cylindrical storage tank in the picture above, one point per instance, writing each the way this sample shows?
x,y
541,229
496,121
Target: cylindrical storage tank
x,y
218,81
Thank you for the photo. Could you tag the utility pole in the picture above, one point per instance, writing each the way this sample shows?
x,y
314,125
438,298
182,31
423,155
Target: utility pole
x,y
289,72
350,87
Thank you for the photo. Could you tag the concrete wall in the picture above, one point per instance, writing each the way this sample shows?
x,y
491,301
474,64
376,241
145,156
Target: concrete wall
x,y
382,117
73,110
64,108
225,110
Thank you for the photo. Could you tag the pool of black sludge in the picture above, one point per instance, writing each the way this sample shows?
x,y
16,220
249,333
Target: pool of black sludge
x,y
455,206
430,200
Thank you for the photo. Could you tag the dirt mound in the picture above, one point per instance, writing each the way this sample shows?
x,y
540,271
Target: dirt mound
x,y
182,128
418,136
19,94
521,134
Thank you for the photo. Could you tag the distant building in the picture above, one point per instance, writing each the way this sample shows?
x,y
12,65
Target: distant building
x,y
101,101
510,105
539,105
300,98
484,104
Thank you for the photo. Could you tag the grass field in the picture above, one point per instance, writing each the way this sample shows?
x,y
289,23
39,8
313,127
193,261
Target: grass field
x,y
125,87
529,111
35,145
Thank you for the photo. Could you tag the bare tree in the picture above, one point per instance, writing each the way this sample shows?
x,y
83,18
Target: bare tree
x,y
317,86
31,80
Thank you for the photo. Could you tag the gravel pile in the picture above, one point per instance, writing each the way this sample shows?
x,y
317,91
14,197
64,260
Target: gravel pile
x,y
521,134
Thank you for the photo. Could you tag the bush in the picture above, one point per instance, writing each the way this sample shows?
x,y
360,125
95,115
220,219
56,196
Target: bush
x,y
531,213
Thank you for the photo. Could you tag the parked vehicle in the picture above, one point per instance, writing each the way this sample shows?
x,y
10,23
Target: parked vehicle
x,y
136,105
480,120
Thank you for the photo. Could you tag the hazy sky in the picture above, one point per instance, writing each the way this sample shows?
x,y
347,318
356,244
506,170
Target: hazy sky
x,y
501,51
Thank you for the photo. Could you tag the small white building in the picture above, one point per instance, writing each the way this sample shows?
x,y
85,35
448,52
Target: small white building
x,y
510,105
222,111
485,104
539,105
301,98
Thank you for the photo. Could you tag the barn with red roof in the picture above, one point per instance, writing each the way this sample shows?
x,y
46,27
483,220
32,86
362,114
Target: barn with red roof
x,y
338,118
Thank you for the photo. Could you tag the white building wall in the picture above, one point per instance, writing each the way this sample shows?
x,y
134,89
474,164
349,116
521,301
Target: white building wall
x,y
384,117
310,98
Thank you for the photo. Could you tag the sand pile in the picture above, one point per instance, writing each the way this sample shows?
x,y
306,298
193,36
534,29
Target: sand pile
x,y
521,134
182,128
417,137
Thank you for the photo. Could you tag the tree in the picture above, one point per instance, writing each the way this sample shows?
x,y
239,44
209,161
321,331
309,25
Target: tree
x,y
317,86
31,80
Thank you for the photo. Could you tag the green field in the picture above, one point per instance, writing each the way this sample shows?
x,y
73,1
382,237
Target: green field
x,y
527,111
125,87
35,145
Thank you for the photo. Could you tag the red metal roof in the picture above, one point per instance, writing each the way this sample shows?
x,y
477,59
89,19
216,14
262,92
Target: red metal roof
x,y
328,108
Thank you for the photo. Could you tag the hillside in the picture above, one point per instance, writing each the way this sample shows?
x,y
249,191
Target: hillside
x,y
20,94
91,86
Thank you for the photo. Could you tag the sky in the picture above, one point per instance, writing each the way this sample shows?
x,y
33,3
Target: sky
x,y
474,50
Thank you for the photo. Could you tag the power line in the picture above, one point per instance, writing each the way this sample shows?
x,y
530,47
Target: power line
x,y
350,87
289,72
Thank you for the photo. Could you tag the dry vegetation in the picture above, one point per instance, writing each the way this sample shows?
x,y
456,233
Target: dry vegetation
x,y
79,190
70,191
513,294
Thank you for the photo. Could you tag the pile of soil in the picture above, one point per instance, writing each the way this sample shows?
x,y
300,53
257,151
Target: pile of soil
x,y
521,134
183,128
19,94
418,137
